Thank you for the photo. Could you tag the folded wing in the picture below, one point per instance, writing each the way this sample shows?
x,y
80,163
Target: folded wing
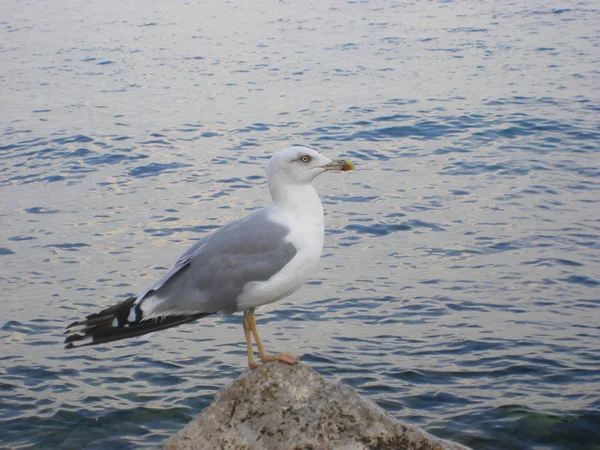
x,y
207,279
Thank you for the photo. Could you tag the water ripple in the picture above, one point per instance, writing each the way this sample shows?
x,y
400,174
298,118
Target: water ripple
x,y
459,280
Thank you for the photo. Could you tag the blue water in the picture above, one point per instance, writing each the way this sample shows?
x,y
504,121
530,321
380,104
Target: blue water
x,y
461,272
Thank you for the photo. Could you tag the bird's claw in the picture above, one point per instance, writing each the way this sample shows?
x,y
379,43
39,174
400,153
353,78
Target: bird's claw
x,y
288,358
253,365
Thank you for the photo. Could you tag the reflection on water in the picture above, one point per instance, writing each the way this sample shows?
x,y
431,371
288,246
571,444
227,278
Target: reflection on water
x,y
459,280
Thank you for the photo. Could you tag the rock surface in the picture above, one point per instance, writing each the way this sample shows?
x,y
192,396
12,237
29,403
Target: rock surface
x,y
278,406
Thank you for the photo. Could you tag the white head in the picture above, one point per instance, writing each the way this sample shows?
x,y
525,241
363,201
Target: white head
x,y
301,165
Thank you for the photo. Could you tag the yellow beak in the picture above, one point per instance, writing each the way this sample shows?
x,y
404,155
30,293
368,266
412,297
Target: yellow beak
x,y
343,164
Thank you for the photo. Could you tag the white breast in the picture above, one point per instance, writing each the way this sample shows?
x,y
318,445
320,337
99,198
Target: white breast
x,y
307,229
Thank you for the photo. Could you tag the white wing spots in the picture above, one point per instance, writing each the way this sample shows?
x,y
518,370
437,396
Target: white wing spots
x,y
77,328
87,340
132,315
115,323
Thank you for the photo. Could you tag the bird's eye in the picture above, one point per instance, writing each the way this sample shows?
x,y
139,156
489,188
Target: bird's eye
x,y
305,158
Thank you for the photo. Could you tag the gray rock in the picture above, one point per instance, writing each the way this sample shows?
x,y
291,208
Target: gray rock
x,y
279,406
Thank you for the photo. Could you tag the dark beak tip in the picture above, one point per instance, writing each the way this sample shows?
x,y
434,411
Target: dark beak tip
x,y
348,165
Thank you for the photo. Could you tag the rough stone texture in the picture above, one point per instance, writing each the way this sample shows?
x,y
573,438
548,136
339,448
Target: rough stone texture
x,y
278,406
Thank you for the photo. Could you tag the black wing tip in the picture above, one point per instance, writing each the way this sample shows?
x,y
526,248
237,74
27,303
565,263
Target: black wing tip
x,y
95,332
72,339
72,325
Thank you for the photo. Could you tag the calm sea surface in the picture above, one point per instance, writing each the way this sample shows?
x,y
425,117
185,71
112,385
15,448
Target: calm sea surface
x,y
460,281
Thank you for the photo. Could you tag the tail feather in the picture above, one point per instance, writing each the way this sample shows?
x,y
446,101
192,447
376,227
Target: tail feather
x,y
97,318
113,324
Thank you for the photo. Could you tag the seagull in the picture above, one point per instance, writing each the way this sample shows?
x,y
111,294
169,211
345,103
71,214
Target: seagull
x,y
245,264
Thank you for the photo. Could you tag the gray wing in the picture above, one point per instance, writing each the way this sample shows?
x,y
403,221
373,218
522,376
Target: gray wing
x,y
210,276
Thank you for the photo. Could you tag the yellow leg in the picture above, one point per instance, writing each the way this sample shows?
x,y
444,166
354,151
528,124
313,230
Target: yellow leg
x,y
247,332
288,358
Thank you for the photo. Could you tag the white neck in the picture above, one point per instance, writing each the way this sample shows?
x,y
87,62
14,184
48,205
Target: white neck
x,y
300,200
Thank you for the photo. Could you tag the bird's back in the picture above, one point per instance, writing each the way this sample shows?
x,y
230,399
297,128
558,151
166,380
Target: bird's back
x,y
211,275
